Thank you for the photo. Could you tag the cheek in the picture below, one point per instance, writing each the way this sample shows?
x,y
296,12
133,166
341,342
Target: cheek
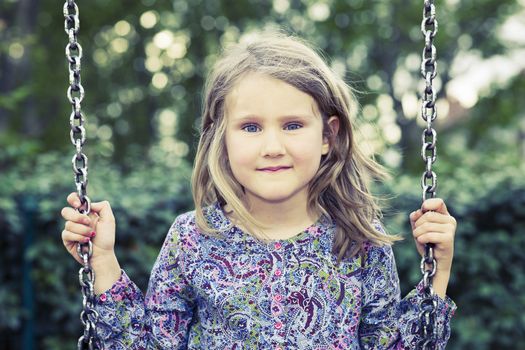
x,y
239,151
308,150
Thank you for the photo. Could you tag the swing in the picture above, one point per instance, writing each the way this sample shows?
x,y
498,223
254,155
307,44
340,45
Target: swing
x,y
75,94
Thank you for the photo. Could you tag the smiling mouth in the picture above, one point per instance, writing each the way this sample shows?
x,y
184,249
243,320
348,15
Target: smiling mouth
x,y
274,170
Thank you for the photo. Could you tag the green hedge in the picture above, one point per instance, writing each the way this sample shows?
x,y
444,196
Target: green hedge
x,y
145,201
487,282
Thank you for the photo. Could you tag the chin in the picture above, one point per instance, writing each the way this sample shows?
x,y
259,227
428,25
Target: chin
x,y
273,198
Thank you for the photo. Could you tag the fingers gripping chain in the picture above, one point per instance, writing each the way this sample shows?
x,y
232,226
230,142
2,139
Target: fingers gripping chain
x,y
75,95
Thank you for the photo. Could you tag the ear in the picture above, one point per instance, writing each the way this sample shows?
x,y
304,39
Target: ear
x,y
333,125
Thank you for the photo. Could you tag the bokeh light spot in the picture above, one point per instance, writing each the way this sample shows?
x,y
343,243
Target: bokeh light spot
x,y
104,132
16,50
280,6
163,39
100,57
176,50
149,19
207,22
153,64
122,28
319,12
119,45
159,80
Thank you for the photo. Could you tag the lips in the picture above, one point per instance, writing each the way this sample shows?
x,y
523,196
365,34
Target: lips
x,y
274,169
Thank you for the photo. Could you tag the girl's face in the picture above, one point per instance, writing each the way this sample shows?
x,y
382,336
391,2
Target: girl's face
x,y
274,139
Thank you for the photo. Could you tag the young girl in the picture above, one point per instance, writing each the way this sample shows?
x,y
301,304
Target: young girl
x,y
284,249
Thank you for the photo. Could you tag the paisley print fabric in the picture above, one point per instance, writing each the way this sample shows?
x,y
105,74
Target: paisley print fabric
x,y
234,292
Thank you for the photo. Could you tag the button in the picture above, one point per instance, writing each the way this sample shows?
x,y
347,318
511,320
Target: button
x,y
278,298
278,348
277,245
278,325
278,272
103,297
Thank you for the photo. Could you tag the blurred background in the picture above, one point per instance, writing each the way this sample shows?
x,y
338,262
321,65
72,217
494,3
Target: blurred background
x,y
143,69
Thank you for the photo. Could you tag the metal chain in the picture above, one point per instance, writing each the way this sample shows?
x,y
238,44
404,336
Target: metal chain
x,y
429,28
75,95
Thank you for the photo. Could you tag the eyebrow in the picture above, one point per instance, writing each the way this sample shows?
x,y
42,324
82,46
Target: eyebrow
x,y
283,117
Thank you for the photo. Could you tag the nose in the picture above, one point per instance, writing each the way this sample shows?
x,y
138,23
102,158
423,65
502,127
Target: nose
x,y
273,145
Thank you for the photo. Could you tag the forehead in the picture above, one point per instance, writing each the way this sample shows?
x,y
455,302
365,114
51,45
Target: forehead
x,y
260,94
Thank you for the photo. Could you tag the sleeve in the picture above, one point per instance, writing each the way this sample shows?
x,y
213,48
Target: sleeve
x,y
161,319
387,322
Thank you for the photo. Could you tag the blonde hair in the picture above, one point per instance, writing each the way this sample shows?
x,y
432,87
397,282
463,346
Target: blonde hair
x,y
340,188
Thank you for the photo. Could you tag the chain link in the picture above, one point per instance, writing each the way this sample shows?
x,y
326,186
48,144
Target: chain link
x,y
429,27
75,95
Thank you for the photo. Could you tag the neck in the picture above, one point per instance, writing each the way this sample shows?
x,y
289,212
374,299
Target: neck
x,y
282,219
281,215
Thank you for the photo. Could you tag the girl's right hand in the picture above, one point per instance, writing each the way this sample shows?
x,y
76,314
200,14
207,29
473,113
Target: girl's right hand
x,y
80,227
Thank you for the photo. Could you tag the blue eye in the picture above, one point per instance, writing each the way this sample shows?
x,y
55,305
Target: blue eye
x,y
250,128
295,126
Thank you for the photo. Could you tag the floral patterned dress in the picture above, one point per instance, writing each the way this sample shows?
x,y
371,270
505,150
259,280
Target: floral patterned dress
x,y
234,292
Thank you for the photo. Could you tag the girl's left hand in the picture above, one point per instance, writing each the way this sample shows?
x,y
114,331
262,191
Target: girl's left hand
x,y
433,224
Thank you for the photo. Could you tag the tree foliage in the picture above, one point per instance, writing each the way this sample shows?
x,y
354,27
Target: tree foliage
x,y
130,81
